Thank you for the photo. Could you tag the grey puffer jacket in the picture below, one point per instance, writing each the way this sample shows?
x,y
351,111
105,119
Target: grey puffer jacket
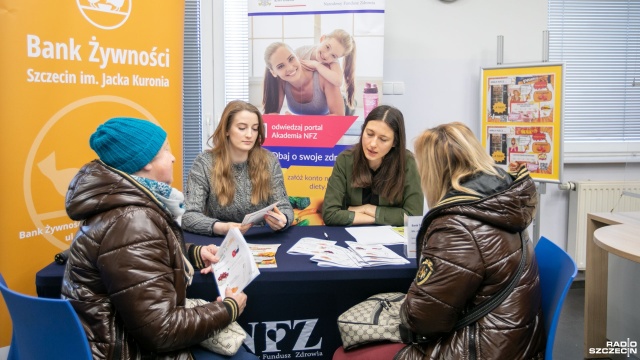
x,y
469,250
126,276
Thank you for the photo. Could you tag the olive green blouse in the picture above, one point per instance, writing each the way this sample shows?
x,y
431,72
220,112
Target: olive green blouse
x,y
340,195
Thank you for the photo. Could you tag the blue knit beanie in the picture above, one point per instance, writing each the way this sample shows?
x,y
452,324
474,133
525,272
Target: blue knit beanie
x,y
127,144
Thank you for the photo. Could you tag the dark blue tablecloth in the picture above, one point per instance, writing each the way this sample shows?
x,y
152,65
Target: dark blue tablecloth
x,y
292,309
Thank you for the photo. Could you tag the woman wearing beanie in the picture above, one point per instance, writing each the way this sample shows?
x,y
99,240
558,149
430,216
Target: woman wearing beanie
x,y
236,177
128,266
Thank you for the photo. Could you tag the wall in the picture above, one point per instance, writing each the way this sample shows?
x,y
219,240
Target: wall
x,y
441,67
437,50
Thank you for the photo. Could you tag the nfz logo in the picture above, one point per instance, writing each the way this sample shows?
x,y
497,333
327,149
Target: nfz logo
x,y
278,333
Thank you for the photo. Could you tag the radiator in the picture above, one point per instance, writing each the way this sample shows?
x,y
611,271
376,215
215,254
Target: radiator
x,y
595,196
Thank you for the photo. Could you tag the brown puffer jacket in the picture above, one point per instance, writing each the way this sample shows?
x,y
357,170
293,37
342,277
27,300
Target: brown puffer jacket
x,y
470,248
125,276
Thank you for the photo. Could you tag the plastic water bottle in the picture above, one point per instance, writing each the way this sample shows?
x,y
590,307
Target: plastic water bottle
x,y
370,98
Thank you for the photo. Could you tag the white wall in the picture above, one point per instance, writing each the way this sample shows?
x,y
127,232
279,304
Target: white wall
x,y
437,50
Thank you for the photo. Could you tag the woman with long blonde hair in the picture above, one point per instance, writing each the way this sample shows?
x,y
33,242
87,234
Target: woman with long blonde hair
x,y
470,245
236,177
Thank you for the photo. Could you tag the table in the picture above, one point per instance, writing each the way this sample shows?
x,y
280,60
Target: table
x,y
616,233
292,309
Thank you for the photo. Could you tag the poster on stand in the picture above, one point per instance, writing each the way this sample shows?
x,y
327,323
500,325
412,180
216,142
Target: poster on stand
x,y
316,68
66,67
521,109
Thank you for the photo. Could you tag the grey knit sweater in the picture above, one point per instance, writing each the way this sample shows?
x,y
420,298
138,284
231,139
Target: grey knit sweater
x,y
201,203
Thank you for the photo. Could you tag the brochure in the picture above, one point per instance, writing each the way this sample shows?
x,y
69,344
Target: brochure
x,y
236,267
334,255
310,246
264,254
258,216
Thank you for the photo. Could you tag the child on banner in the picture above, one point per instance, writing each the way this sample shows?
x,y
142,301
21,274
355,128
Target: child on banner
x,y
325,59
306,92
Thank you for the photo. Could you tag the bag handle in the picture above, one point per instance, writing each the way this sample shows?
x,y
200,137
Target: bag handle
x,y
482,309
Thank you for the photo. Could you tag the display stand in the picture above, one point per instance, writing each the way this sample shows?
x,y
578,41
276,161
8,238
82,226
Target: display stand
x,y
521,110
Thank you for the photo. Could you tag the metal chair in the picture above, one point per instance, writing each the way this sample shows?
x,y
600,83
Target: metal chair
x,y
557,271
44,328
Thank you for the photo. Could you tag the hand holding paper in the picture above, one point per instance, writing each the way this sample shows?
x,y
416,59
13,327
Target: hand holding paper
x,y
275,219
258,216
236,267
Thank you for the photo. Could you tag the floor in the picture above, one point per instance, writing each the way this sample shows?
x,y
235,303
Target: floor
x,y
570,332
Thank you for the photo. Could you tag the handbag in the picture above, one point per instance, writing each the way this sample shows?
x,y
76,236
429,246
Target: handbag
x,y
375,319
225,342
378,317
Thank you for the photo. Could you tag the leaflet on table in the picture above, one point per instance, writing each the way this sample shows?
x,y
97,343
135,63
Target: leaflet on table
x,y
258,216
399,230
264,254
338,256
376,255
384,235
236,267
310,246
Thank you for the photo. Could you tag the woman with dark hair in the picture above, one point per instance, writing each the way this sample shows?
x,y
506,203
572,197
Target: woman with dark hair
x,y
237,177
376,181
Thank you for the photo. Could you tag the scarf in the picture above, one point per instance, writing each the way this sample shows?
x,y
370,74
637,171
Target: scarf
x,y
170,197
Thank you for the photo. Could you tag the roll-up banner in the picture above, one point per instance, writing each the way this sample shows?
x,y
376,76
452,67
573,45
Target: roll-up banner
x,y
66,67
316,100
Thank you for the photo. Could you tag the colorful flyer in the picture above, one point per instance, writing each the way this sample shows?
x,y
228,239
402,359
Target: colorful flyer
x,y
236,267
522,118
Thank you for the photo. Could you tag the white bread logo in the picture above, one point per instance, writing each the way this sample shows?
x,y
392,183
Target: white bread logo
x,y
105,14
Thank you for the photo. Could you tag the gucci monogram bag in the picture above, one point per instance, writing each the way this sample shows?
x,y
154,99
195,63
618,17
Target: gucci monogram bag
x,y
375,319
225,342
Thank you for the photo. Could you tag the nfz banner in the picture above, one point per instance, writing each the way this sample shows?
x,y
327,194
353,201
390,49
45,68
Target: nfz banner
x,y
316,73
66,67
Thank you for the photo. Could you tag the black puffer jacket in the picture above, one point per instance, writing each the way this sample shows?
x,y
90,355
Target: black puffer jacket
x,y
469,249
125,276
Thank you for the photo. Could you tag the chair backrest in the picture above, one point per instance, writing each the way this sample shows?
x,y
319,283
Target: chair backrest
x,y
44,328
557,271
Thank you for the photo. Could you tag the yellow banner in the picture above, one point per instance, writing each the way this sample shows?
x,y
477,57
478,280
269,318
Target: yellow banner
x,y
66,67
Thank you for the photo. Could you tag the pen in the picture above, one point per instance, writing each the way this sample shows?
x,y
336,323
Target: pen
x,y
326,236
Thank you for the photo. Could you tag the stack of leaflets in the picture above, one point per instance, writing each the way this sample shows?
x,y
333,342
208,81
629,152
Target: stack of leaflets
x,y
357,255
236,267
310,246
376,255
334,255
